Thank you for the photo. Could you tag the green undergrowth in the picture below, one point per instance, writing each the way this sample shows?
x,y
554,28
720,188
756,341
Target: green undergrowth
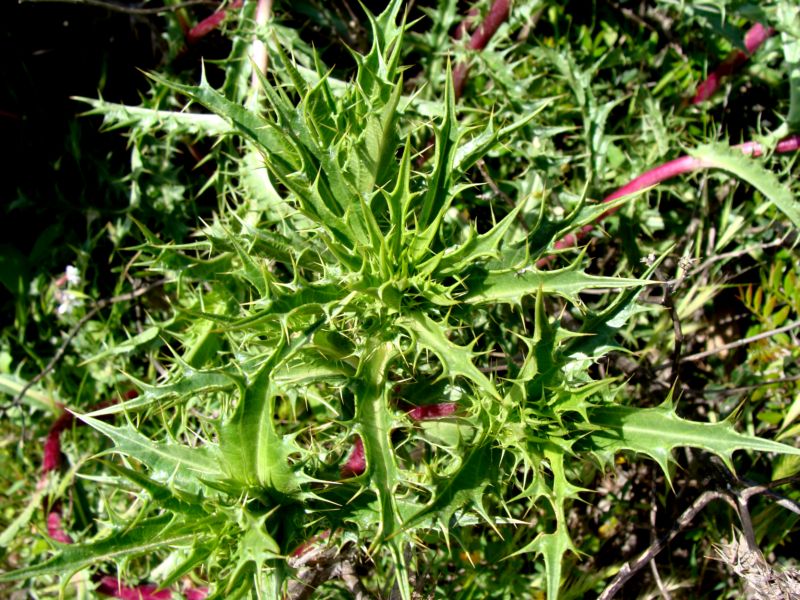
x,y
351,274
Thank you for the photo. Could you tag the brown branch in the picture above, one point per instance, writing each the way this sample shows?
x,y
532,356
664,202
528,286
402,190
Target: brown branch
x,y
347,573
101,304
739,343
748,388
318,564
736,498
629,569
653,566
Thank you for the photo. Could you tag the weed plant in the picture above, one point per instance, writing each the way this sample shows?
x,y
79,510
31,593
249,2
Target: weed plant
x,y
377,369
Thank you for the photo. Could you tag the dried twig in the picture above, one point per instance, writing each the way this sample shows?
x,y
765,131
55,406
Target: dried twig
x,y
318,564
736,498
748,388
347,573
628,570
99,305
653,566
738,343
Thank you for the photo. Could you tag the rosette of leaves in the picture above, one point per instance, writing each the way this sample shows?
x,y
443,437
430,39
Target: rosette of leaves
x,y
333,295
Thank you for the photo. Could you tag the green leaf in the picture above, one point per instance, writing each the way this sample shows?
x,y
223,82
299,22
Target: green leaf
x,y
476,247
375,424
190,383
174,463
167,121
457,360
657,431
130,345
465,487
146,537
23,518
34,397
253,454
723,157
553,546
511,286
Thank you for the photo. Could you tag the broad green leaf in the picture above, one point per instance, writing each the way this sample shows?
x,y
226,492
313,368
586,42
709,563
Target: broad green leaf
x,y
253,453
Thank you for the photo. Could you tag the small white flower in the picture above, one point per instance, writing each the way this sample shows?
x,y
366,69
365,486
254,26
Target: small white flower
x,y
68,303
73,276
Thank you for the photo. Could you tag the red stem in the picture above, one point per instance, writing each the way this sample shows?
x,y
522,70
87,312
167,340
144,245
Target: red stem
x,y
107,584
497,14
210,23
753,39
678,166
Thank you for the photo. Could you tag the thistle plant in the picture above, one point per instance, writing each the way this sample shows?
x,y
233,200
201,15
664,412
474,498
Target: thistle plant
x,y
355,367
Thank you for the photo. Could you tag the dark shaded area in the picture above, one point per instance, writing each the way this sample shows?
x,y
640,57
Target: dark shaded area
x,y
62,175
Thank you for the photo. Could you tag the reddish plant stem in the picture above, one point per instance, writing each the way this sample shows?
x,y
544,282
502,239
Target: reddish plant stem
x,y
432,411
210,23
55,526
51,461
356,463
111,586
678,166
497,14
753,39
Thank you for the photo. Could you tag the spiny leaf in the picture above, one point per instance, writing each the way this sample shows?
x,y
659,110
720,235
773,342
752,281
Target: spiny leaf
x,y
146,537
434,202
465,487
657,431
190,383
177,464
167,121
457,360
474,249
553,546
511,286
766,182
375,420
257,130
252,451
